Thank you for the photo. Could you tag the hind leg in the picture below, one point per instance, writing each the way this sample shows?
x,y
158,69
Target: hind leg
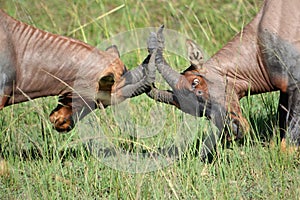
x,y
293,130
289,120
283,107
282,114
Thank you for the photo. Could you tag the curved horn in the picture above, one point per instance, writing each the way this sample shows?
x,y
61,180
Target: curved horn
x,y
164,96
139,80
157,41
171,76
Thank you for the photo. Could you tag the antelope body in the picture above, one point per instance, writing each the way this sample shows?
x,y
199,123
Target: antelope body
x,y
35,63
263,57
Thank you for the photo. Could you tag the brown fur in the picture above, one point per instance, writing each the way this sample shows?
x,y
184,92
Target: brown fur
x,y
35,63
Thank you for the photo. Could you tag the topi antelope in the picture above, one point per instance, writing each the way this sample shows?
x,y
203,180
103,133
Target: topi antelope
x,y
263,57
35,63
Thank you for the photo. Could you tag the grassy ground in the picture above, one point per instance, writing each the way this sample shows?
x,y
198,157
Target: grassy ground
x,y
42,164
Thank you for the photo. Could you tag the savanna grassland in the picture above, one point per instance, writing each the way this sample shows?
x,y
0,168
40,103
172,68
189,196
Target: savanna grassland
x,y
39,163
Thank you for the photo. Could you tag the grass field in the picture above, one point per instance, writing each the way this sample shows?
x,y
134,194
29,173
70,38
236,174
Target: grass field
x,y
40,163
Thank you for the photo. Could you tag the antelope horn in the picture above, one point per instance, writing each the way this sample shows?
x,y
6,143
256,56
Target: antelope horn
x,y
157,41
142,78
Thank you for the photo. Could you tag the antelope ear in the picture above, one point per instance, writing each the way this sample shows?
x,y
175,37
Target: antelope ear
x,y
195,54
113,50
106,82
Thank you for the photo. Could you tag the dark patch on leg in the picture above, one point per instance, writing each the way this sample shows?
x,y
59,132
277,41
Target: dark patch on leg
x,y
282,114
293,130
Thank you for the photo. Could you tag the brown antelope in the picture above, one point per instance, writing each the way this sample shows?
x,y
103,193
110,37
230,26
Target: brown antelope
x,y
35,63
263,57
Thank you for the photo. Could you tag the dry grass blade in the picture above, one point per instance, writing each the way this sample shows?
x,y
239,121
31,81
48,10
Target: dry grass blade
x,y
98,18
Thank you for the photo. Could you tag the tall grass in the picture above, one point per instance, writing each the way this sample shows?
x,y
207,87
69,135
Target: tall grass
x,y
43,164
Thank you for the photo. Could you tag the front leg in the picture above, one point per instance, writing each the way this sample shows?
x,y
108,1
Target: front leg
x,y
6,87
238,125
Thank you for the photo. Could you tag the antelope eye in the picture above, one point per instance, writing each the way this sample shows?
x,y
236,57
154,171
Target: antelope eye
x,y
195,82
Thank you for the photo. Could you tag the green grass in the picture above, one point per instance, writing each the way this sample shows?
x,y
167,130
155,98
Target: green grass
x,y
43,164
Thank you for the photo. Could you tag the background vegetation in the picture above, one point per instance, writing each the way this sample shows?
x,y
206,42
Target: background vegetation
x,y
40,163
